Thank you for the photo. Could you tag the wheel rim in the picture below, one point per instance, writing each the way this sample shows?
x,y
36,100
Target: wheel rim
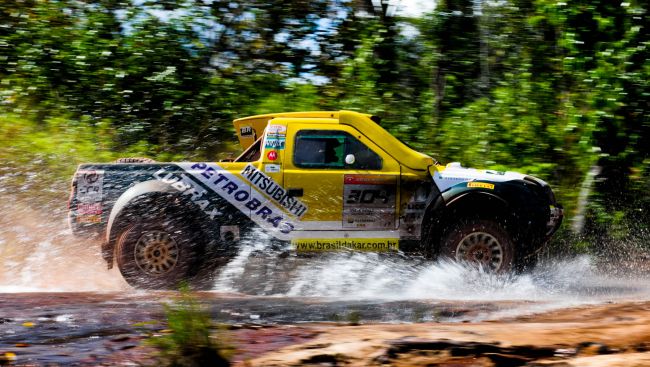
x,y
156,253
481,248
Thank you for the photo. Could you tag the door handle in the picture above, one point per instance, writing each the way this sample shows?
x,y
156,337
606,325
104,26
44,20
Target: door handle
x,y
294,192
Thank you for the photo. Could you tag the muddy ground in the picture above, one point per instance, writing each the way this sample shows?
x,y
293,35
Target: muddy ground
x,y
88,329
604,335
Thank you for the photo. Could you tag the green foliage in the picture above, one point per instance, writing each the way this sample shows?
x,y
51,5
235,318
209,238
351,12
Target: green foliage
x,y
295,97
191,339
541,86
353,317
43,155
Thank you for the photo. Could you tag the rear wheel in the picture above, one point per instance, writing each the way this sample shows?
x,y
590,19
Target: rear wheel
x,y
484,243
158,254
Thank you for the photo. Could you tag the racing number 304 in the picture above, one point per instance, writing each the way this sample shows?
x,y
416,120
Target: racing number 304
x,y
368,196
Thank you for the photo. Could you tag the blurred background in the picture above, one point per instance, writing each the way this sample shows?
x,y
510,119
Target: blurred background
x,y
556,89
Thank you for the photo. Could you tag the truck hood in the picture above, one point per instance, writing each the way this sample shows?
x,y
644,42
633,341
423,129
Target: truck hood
x,y
453,174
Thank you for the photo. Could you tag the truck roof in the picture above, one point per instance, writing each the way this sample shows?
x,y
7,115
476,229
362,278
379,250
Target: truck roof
x,y
250,128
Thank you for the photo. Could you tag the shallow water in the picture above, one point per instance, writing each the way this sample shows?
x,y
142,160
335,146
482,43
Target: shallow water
x,y
39,254
78,311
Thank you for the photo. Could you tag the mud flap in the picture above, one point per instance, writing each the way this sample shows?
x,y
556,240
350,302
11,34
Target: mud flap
x,y
107,255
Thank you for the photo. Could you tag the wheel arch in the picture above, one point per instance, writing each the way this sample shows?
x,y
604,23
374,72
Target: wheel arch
x,y
147,189
141,199
451,207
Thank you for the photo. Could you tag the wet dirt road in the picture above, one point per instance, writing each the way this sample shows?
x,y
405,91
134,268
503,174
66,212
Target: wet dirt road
x,y
303,316
84,328
92,328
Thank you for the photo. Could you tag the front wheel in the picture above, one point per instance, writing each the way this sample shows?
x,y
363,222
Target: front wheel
x,y
484,243
157,254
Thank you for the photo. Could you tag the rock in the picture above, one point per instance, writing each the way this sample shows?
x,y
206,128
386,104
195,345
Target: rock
x,y
325,360
409,345
565,352
505,360
497,355
318,346
474,349
382,359
642,347
235,326
592,349
531,351
120,338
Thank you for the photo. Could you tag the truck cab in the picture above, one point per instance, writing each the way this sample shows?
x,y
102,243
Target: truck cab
x,y
344,176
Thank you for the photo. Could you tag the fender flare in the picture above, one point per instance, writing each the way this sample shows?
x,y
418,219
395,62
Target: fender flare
x,y
138,190
441,208
448,199
451,198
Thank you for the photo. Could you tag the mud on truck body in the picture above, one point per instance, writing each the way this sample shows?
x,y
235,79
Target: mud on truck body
x,y
313,182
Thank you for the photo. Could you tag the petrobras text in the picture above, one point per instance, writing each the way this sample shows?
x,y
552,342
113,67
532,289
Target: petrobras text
x,y
229,187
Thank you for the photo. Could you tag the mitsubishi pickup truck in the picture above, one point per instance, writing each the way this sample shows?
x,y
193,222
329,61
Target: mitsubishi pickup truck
x,y
308,182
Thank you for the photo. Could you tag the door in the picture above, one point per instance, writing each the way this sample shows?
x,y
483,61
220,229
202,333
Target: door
x,y
346,181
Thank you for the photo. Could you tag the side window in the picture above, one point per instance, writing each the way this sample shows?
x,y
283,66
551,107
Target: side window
x,y
328,149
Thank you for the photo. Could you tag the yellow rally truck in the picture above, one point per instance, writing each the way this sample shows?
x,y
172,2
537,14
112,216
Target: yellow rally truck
x,y
312,182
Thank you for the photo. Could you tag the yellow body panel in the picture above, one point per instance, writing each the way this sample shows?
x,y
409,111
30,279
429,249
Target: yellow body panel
x,y
340,198
407,156
324,188
258,123
359,121
346,244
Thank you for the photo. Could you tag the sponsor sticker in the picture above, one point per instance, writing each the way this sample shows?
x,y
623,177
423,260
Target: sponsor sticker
x,y
276,136
272,155
346,244
246,131
187,186
232,189
369,201
90,186
273,190
480,185
94,218
412,215
89,208
89,196
272,168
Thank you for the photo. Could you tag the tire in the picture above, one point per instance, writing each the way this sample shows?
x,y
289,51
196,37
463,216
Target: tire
x,y
480,242
158,254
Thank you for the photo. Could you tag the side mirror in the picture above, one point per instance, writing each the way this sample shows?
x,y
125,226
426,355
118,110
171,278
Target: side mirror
x,y
349,159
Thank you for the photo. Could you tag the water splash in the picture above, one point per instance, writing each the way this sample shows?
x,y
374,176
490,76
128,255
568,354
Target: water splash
x,y
357,276
236,268
40,254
